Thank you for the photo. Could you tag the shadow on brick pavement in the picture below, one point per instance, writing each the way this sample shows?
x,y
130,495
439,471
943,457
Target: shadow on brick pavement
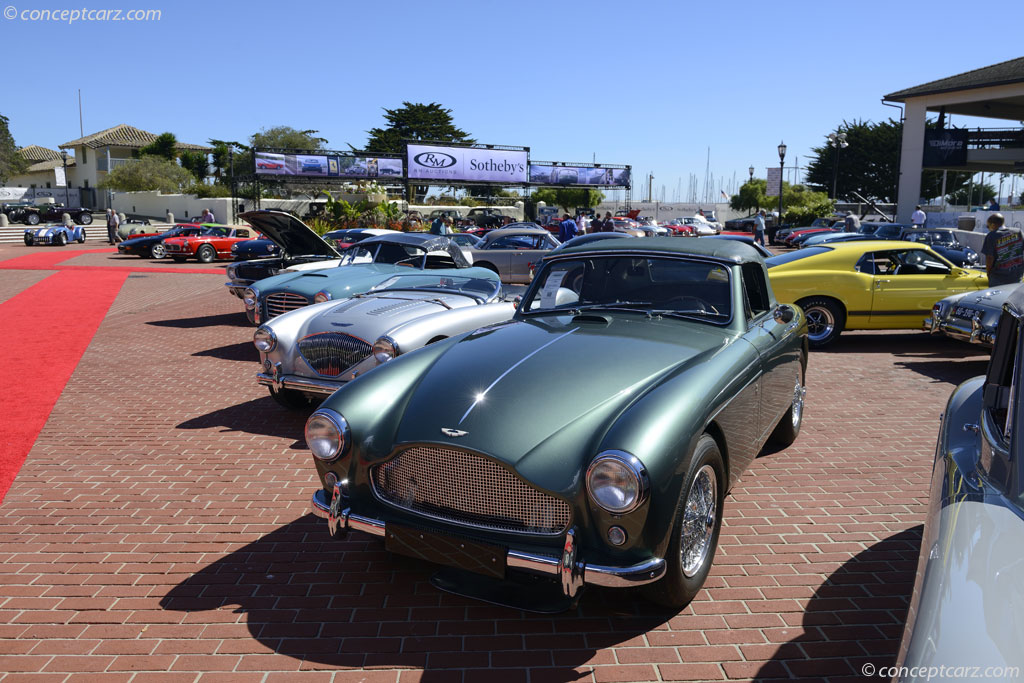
x,y
242,351
258,416
227,319
349,603
855,617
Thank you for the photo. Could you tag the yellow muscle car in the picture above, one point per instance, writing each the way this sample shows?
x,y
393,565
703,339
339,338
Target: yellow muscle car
x,y
869,285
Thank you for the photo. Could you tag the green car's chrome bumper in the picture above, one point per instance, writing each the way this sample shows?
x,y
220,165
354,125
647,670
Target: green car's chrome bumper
x,y
572,571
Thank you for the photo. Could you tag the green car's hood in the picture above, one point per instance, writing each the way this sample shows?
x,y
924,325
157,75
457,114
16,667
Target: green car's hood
x,y
540,394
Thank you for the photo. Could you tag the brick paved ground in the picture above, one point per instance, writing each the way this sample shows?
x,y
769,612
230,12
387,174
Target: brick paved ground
x,y
159,531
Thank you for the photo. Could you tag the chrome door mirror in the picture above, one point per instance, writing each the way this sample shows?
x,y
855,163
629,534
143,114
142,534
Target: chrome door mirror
x,y
784,314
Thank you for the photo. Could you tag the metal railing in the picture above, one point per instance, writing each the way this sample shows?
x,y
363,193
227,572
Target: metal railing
x,y
101,163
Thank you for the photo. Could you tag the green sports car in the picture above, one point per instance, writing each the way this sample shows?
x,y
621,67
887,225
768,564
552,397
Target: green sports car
x,y
591,439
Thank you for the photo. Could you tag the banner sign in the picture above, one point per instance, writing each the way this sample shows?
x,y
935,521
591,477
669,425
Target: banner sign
x,y
774,182
557,174
331,166
447,164
945,147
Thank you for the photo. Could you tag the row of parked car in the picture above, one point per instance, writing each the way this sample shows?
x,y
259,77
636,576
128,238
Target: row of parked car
x,y
528,435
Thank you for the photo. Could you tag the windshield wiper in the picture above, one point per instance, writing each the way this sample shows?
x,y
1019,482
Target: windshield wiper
x,y
686,313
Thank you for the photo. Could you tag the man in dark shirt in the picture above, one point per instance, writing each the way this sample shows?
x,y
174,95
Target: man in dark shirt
x,y
1004,252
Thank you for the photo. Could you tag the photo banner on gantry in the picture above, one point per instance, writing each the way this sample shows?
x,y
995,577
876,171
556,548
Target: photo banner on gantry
x,y
328,165
578,176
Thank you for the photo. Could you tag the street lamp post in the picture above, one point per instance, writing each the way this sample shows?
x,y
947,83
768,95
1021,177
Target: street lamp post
x,y
782,166
751,172
64,161
838,142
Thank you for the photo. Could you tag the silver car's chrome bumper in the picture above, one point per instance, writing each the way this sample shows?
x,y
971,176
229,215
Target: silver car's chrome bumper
x,y
572,571
975,332
236,288
313,386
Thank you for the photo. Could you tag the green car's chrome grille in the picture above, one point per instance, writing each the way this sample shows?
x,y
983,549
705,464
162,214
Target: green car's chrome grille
x,y
284,302
332,353
467,489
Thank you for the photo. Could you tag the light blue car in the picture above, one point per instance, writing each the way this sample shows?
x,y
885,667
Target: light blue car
x,y
54,234
362,267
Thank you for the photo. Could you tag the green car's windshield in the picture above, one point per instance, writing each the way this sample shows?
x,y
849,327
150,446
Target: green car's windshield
x,y
646,284
476,287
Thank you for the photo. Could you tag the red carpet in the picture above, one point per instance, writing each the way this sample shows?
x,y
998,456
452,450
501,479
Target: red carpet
x,y
52,260
49,327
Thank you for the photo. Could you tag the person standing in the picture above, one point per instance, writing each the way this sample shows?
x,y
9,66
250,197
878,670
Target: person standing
x,y
918,218
207,217
437,226
608,225
113,223
759,227
584,224
596,224
851,222
567,229
1004,252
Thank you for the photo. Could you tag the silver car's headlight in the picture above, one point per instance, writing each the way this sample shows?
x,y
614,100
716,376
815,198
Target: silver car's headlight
x,y
321,297
264,339
327,434
617,482
384,349
249,297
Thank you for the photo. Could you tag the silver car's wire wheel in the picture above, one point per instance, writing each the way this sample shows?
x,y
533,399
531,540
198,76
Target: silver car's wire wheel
x,y
820,323
698,526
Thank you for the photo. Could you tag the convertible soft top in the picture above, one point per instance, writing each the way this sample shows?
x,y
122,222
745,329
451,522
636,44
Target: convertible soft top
x,y
422,240
724,250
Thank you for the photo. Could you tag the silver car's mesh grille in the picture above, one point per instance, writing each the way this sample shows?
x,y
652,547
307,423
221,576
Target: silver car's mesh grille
x,y
468,489
284,302
332,353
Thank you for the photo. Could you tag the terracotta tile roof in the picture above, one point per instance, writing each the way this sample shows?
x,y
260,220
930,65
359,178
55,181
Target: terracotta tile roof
x,y
37,153
1011,71
124,135
49,164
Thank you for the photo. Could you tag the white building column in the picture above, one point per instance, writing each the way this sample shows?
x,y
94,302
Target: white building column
x,y
911,157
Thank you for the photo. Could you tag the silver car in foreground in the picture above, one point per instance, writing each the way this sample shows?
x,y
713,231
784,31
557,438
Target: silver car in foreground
x,y
970,316
965,611
308,353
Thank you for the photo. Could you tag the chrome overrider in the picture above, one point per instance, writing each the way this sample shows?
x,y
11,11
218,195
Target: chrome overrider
x,y
571,571
305,384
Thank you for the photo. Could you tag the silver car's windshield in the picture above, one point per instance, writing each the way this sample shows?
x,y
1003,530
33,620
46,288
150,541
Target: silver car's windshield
x,y
480,288
652,284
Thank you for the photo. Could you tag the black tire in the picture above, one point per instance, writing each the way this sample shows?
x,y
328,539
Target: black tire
x,y
32,218
683,579
206,254
825,320
290,399
29,241
788,429
81,240
85,218
60,239
178,259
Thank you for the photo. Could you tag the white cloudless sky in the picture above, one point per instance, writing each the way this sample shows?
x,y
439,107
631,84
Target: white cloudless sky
x,y
651,84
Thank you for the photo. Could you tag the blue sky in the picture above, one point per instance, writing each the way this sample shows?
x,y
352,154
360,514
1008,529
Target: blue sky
x,y
651,84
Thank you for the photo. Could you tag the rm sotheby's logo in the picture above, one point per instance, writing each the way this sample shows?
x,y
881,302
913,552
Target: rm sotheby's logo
x,y
454,433
434,159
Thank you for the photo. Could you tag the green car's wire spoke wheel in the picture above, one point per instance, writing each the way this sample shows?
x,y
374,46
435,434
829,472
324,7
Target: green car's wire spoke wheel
x,y
699,516
695,530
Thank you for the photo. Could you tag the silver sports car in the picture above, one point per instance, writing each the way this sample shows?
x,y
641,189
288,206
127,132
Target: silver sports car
x,y
970,316
310,352
965,610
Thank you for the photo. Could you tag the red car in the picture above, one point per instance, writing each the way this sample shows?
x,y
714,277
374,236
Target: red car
x,y
214,243
273,165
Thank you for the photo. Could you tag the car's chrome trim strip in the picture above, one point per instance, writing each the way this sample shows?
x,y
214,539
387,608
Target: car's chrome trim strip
x,y
638,574
299,384
482,394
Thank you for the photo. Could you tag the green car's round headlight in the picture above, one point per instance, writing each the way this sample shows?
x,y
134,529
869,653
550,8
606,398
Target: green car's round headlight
x,y
617,482
249,297
327,434
384,349
264,339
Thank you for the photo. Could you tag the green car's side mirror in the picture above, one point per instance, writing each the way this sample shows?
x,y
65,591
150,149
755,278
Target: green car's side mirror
x,y
784,314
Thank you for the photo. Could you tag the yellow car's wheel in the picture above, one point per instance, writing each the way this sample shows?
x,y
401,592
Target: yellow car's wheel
x,y
825,320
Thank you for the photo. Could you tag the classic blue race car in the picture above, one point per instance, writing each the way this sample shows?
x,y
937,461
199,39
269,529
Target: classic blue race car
x,y
54,234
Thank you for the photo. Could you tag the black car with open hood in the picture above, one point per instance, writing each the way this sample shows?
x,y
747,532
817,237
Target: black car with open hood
x,y
296,241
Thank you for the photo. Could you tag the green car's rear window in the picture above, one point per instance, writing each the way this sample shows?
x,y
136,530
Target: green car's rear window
x,y
795,256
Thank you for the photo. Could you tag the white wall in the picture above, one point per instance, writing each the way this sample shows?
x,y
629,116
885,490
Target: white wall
x,y
153,204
